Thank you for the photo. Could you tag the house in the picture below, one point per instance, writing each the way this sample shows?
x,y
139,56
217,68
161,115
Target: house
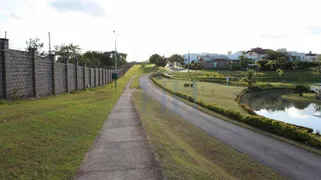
x,y
211,61
192,57
235,57
293,54
256,53
310,56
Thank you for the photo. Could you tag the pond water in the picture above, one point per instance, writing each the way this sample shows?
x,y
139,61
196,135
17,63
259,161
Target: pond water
x,y
271,105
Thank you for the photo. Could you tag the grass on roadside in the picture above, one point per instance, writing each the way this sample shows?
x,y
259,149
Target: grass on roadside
x,y
143,69
48,138
208,92
186,152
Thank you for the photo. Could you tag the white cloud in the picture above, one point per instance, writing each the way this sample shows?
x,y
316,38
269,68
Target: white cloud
x,y
165,27
89,7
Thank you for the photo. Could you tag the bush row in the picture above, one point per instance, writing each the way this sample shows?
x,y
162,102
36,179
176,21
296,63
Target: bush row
x,y
277,127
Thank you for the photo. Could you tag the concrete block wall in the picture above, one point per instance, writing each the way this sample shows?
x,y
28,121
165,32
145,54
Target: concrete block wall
x,y
44,77
25,74
20,78
1,73
87,76
60,78
81,82
71,77
92,77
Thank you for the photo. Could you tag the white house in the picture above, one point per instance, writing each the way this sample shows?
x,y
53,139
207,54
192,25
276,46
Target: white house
x,y
256,53
192,57
310,56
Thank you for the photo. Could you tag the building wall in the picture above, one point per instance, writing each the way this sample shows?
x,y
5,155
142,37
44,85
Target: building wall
x,y
220,64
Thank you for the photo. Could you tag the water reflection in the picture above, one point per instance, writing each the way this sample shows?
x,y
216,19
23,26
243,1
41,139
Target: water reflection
x,y
271,105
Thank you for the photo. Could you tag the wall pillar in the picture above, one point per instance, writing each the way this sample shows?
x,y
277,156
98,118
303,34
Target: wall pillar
x,y
67,84
52,58
33,54
77,73
4,60
85,86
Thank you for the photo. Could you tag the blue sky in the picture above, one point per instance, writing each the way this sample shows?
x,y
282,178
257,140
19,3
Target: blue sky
x,y
165,26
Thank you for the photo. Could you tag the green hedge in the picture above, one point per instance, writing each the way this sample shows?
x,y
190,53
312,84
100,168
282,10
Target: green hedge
x,y
277,127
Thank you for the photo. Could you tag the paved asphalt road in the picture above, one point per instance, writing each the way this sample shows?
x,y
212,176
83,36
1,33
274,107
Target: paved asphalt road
x,y
288,160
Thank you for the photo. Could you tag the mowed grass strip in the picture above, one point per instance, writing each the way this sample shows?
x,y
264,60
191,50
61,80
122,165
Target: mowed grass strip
x,y
220,94
143,69
186,152
48,138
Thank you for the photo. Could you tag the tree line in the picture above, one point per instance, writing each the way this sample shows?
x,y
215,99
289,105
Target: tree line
x,y
72,53
162,60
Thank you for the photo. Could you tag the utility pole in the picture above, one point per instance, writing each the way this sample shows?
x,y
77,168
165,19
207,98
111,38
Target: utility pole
x,y
115,57
49,43
5,34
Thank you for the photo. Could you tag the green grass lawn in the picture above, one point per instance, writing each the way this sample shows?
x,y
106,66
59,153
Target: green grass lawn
x,y
141,70
307,97
289,79
48,138
208,92
186,152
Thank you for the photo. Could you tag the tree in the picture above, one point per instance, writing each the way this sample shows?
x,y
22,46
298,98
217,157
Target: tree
x,y
318,58
271,64
280,58
35,43
154,58
158,60
249,77
300,89
68,52
176,58
244,61
162,62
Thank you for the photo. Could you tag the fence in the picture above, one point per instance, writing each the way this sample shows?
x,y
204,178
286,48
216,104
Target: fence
x,y
24,74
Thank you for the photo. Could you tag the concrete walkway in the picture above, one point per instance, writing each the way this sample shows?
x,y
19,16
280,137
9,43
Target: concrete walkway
x,y
121,151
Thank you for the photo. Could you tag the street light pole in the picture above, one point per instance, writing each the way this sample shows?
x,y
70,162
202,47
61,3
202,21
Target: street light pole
x,y
115,57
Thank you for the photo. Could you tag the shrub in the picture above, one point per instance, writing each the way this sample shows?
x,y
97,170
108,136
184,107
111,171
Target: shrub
x,y
300,89
297,133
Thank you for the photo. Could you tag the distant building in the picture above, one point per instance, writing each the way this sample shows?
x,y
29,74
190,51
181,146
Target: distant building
x,y
293,54
256,53
310,56
212,61
193,57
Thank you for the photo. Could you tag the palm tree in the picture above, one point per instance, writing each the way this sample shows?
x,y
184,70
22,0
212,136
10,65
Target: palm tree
x,y
249,77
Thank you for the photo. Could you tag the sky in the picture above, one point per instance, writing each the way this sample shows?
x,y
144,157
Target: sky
x,y
145,27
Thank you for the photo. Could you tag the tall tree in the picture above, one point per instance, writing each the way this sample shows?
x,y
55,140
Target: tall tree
x,y
244,61
154,58
68,52
35,43
176,58
281,58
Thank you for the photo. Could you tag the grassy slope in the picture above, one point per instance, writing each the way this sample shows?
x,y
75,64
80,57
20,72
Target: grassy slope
x,y
208,92
186,152
48,138
143,69
309,98
289,78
